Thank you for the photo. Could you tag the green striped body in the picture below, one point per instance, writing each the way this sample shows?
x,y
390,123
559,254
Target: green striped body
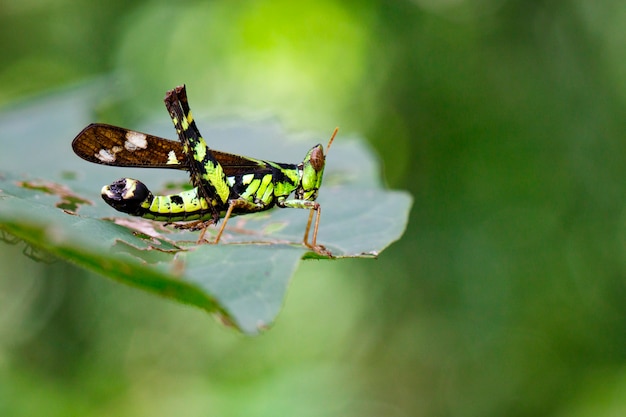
x,y
261,189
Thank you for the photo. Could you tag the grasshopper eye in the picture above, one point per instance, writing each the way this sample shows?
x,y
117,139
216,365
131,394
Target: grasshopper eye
x,y
317,158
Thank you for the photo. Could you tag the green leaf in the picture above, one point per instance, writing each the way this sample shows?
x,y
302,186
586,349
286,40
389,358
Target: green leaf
x,y
50,199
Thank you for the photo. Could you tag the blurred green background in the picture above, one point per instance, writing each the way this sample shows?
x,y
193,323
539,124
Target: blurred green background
x,y
506,296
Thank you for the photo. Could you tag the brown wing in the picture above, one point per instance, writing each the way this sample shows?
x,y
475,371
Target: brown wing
x,y
115,146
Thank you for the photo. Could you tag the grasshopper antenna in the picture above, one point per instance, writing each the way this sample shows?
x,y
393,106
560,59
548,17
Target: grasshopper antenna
x,y
332,138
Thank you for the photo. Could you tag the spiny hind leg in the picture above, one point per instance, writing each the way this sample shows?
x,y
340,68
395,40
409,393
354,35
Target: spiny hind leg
x,y
205,171
178,107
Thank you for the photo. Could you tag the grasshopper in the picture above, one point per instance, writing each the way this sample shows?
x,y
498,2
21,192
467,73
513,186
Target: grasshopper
x,y
224,184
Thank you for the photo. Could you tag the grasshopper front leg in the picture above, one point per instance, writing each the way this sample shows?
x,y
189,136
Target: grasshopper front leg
x,y
314,208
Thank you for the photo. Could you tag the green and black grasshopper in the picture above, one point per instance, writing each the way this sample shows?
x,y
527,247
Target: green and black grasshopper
x,y
224,184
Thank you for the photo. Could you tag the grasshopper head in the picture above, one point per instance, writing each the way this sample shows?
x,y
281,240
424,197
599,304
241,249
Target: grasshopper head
x,y
312,171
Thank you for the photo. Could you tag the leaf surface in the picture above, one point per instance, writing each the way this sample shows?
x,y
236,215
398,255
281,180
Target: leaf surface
x,y
50,199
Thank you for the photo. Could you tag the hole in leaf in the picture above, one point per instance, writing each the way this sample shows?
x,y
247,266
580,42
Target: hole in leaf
x,y
68,200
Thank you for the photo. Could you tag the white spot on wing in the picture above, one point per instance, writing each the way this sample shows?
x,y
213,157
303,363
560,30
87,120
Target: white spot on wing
x,y
135,140
105,156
